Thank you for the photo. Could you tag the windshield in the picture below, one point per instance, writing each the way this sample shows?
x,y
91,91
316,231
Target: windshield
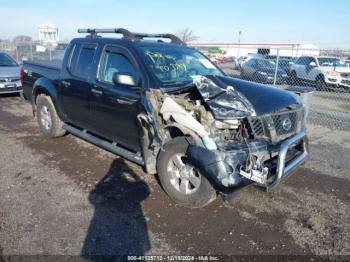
x,y
176,65
264,63
6,60
330,61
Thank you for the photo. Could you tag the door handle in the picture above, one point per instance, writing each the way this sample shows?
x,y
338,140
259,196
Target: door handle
x,y
125,102
65,83
96,91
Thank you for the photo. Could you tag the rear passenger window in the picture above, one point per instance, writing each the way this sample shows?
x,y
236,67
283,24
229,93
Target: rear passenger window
x,y
82,60
113,63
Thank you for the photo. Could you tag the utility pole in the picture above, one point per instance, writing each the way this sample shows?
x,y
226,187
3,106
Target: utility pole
x,y
239,42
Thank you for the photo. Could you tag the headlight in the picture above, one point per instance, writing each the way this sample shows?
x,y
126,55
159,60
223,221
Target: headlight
x,y
227,124
262,73
332,73
239,106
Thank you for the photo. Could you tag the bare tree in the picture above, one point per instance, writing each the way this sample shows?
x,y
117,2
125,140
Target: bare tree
x,y
186,35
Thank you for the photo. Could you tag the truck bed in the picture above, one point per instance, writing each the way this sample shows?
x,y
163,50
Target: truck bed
x,y
54,64
34,70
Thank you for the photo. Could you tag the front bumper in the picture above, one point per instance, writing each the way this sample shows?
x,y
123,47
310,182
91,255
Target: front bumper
x,y
337,81
10,87
284,168
220,168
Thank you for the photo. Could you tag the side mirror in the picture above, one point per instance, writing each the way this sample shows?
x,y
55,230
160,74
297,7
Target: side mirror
x,y
125,79
312,64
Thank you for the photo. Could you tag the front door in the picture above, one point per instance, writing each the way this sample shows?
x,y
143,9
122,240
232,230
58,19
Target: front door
x,y
114,108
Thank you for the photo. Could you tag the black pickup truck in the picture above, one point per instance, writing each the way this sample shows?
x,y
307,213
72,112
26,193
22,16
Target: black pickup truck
x,y
159,103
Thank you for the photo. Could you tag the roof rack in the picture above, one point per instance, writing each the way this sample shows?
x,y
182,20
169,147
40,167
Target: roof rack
x,y
93,32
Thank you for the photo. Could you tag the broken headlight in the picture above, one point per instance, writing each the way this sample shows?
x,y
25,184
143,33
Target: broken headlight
x,y
224,130
227,124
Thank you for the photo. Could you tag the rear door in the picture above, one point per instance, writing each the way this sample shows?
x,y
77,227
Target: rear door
x,y
114,108
76,84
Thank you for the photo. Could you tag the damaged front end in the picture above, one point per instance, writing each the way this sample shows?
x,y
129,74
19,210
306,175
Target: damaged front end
x,y
235,140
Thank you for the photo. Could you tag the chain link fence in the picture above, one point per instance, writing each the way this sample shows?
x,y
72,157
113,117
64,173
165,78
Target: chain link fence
x,y
327,73
34,51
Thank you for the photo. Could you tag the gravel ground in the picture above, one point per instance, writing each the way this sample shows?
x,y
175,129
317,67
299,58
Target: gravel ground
x,y
65,196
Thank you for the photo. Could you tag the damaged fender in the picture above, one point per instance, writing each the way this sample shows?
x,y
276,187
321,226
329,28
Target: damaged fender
x,y
170,109
212,165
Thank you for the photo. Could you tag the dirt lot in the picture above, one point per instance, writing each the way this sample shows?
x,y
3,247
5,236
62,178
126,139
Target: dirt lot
x,y
64,196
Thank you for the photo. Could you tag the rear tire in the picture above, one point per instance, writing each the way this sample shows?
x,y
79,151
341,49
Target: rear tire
x,y
49,122
197,192
320,83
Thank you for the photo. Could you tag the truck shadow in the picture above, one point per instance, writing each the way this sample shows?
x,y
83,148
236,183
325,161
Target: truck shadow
x,y
118,226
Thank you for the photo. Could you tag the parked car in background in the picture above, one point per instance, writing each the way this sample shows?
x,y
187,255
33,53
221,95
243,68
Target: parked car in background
x,y
213,58
283,63
262,71
274,57
241,60
235,63
321,70
347,62
9,75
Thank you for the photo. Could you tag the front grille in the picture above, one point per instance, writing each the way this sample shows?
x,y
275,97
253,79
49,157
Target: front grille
x,y
277,126
257,127
346,82
9,89
9,80
280,120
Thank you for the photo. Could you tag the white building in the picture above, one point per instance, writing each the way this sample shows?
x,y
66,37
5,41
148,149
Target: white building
x,y
48,34
244,49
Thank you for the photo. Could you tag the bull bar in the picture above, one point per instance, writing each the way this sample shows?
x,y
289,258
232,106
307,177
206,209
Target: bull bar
x,y
283,169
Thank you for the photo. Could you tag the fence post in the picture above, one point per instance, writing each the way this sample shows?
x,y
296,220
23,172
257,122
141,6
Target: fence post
x,y
50,55
276,67
31,51
17,58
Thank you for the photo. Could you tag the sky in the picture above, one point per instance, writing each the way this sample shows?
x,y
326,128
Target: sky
x,y
321,22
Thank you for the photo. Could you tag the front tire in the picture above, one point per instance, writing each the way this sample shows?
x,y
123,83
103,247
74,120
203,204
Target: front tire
x,y
180,180
293,79
49,122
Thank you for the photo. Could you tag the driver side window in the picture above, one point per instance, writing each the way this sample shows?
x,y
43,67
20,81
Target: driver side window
x,y
114,63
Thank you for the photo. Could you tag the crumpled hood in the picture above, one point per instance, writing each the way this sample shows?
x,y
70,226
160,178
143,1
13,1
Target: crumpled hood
x,y
9,71
234,98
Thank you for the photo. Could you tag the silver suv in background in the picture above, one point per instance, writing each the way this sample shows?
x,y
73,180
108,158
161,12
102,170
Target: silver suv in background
x,y
10,81
321,70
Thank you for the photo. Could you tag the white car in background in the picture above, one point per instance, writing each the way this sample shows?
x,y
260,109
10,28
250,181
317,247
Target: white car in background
x,y
321,70
9,75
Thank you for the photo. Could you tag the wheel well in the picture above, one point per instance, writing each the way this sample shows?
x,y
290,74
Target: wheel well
x,y
174,132
38,92
320,76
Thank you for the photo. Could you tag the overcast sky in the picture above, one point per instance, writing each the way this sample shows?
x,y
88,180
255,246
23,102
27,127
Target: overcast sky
x,y
322,22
